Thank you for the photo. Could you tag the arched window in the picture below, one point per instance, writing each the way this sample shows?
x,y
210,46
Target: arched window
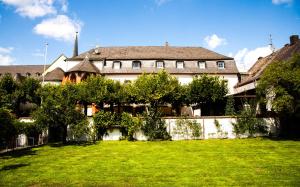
x,y
136,65
160,64
73,77
28,74
117,65
179,64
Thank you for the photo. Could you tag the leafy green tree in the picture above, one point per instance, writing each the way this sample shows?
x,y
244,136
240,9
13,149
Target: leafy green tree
x,y
8,88
155,89
280,85
206,91
58,108
8,128
229,110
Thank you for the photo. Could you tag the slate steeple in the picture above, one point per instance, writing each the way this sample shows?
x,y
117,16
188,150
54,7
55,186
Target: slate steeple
x,y
75,50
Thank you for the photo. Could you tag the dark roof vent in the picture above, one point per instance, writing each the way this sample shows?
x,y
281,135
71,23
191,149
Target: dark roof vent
x,y
294,39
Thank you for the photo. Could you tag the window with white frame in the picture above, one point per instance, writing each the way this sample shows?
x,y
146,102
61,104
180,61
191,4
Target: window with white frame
x,y
136,65
160,64
117,65
202,64
179,64
221,64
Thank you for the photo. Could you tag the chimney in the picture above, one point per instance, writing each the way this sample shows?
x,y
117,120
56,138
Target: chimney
x,y
75,50
294,39
167,44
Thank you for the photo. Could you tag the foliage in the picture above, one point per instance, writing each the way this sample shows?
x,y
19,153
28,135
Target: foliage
x,y
104,121
220,132
8,126
154,126
229,110
188,128
207,90
282,90
58,108
155,88
8,88
248,124
130,125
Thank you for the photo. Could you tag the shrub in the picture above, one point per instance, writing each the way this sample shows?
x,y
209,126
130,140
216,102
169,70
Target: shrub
x,y
188,128
103,121
130,125
248,123
154,126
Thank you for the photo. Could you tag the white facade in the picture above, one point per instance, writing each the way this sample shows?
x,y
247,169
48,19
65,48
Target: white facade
x,y
126,72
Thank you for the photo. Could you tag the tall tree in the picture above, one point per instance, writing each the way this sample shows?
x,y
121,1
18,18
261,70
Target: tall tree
x,y
280,86
207,91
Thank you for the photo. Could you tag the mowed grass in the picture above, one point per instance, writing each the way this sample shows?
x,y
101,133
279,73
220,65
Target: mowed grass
x,y
240,162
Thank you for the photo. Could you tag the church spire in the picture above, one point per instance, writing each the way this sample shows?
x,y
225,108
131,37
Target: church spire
x,y
75,50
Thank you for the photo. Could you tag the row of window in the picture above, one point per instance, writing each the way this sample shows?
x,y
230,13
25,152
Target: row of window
x,y
161,64
27,74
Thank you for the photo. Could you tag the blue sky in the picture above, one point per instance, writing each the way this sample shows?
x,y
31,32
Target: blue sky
x,y
238,28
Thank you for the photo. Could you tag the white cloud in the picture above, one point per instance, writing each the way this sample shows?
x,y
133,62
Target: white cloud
x,y
214,41
60,27
6,50
278,2
32,8
245,58
161,2
5,57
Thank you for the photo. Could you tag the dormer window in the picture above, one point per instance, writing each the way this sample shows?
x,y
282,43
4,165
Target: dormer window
x,y
37,74
117,65
179,64
202,64
160,64
221,64
136,65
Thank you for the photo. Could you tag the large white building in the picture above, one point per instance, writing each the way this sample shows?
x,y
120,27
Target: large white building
x,y
127,63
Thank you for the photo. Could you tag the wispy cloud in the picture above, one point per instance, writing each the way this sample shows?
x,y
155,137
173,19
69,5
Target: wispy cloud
x,y
161,2
32,8
214,41
279,2
5,56
60,27
245,58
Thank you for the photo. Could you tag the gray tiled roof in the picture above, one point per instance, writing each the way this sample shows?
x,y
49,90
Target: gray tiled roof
x,y
23,70
56,75
151,52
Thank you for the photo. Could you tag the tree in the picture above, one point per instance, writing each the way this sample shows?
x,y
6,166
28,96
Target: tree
x,y
8,128
155,89
280,86
58,109
229,110
206,91
8,88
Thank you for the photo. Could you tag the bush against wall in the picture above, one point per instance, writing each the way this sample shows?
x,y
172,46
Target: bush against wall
x,y
130,125
188,128
154,127
248,124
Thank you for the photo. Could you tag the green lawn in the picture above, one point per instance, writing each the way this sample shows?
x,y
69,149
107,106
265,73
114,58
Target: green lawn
x,y
240,162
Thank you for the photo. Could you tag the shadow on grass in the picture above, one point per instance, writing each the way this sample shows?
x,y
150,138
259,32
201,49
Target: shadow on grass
x,y
82,144
18,153
281,138
13,166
